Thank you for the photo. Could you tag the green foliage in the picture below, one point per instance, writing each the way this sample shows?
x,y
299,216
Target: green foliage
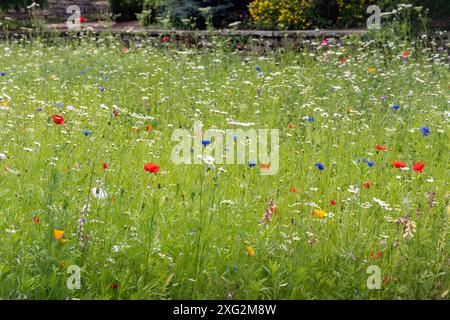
x,y
126,10
182,233
17,4
196,13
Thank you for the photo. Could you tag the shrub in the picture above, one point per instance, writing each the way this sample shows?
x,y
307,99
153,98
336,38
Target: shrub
x,y
17,4
352,13
283,14
126,10
190,13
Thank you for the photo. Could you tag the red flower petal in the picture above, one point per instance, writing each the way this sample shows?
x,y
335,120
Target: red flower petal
x,y
58,119
398,164
418,166
151,167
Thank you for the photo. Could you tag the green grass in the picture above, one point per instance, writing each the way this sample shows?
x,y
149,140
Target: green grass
x,y
151,217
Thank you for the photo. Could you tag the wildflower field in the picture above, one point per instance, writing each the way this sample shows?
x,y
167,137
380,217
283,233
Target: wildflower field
x,y
88,182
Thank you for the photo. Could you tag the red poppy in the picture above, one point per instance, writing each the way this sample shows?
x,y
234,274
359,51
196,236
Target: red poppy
x,y
58,119
333,202
83,19
125,49
166,39
343,59
418,166
377,255
291,126
265,166
239,47
405,54
367,184
37,219
151,167
387,279
114,285
380,147
398,164
105,166
293,190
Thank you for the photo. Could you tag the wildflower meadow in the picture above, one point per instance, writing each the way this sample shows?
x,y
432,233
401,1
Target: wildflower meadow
x,y
94,206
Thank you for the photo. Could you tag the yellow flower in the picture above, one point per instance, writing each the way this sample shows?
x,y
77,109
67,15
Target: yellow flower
x,y
250,251
58,234
372,70
320,213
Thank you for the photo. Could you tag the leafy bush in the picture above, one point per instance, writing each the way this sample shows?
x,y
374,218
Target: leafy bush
x,y
195,13
352,13
281,14
126,10
17,4
309,14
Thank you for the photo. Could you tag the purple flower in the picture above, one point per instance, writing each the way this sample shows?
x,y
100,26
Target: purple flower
x,y
430,198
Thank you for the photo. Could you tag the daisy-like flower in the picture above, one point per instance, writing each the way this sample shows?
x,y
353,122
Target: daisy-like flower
x,y
99,193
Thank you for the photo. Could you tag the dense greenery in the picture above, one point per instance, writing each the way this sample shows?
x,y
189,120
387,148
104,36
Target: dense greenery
x,y
17,4
363,176
275,14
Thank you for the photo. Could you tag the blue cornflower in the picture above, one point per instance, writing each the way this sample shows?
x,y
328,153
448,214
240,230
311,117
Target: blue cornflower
x,y
59,104
2,74
39,109
370,163
320,166
425,131
102,89
362,159
206,142
395,107
251,164
87,132
311,119
260,74
258,69
83,72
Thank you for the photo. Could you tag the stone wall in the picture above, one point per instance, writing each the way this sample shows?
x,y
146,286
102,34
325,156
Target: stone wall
x,y
56,9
